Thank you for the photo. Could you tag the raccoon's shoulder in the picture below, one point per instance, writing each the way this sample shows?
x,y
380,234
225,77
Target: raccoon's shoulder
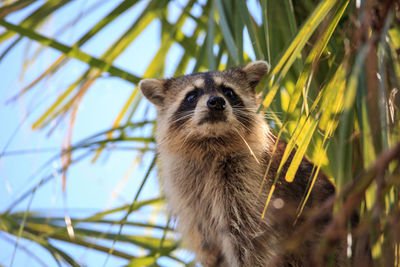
x,y
322,188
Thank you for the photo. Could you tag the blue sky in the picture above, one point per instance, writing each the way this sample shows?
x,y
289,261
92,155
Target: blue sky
x,y
90,187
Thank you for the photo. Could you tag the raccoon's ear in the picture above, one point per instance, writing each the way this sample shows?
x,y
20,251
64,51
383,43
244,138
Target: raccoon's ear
x,y
255,71
153,90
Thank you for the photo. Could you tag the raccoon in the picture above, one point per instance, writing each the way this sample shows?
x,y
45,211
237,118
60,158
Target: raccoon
x,y
214,149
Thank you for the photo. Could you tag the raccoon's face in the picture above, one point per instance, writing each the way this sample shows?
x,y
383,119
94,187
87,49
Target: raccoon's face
x,y
209,104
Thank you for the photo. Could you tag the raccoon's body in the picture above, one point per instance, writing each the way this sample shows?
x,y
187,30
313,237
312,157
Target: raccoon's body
x,y
214,149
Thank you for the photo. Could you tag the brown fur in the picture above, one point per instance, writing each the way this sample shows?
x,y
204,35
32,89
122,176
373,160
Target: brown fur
x,y
212,168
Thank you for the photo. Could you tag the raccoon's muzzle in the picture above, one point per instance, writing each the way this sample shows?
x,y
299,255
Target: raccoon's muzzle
x,y
216,106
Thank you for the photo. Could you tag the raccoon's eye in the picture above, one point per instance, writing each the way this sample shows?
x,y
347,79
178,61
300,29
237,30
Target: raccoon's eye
x,y
228,92
191,97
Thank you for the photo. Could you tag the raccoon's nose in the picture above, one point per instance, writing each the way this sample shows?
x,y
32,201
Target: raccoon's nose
x,y
216,103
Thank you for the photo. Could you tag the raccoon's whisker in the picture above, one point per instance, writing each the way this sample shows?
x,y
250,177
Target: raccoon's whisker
x,y
186,138
187,115
248,146
267,114
253,110
162,141
247,110
244,126
184,116
167,140
245,117
243,111
242,116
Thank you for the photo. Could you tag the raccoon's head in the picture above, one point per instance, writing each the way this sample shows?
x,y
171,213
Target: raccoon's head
x,y
209,106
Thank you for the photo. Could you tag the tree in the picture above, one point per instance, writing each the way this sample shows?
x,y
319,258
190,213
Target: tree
x,y
331,94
